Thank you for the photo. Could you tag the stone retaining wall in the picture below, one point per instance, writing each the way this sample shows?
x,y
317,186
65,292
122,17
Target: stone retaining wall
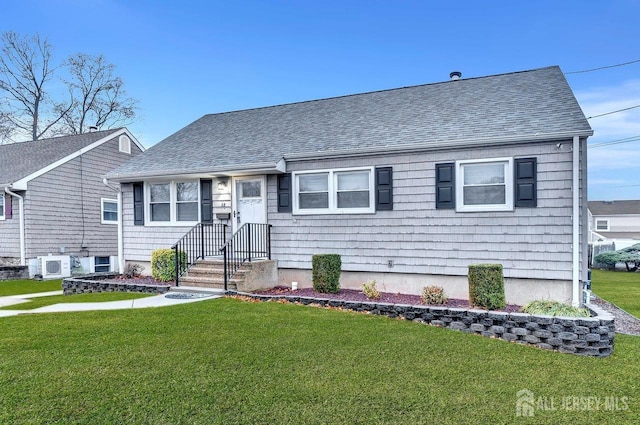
x,y
587,336
105,283
14,272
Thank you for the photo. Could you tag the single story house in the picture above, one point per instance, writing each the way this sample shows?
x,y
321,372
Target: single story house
x,y
615,221
57,215
408,185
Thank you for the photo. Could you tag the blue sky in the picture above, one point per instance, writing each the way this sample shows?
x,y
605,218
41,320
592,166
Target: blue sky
x,y
186,59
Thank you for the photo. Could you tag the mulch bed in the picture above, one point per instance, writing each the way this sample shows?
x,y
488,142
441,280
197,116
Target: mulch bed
x,y
355,295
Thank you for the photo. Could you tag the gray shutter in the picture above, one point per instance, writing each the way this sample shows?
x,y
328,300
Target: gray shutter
x,y
284,192
525,184
138,204
384,189
446,186
8,207
206,201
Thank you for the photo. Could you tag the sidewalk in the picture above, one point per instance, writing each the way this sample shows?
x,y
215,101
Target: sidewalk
x,y
154,301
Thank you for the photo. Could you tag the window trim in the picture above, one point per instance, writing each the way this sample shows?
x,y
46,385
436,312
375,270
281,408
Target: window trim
x,y
95,258
509,186
102,211
606,220
333,192
173,204
3,198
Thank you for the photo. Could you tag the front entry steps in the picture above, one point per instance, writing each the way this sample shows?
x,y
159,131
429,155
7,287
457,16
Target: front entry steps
x,y
210,274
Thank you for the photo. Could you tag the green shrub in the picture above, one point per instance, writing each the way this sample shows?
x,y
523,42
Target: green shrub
x,y
630,256
163,264
326,272
555,308
433,295
370,291
486,286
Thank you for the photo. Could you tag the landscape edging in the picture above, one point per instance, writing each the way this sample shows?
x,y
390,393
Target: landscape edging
x,y
586,336
104,283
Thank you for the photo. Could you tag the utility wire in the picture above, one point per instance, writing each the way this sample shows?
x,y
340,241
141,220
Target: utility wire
x,y
613,112
602,67
616,142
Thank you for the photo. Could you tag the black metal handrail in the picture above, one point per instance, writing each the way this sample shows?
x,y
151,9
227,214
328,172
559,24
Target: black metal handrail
x,y
251,241
203,240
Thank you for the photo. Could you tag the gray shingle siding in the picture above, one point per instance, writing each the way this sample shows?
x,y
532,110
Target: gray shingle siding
x,y
140,241
63,206
529,242
10,231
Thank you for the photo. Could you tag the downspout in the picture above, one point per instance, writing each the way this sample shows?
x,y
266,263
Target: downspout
x,y
23,256
120,231
576,298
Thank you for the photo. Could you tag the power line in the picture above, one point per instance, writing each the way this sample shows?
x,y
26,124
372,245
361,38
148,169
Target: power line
x,y
616,142
602,67
613,112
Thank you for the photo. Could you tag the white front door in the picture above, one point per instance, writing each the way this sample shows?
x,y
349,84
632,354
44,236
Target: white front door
x,y
250,204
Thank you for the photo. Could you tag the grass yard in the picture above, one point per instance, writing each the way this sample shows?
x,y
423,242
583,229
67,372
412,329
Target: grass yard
x,y
28,286
79,298
232,362
620,288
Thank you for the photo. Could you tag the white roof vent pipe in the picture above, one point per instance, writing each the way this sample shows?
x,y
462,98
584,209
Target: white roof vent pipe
x,y
455,75
93,128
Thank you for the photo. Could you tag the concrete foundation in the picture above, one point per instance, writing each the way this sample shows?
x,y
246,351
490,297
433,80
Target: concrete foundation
x,y
517,291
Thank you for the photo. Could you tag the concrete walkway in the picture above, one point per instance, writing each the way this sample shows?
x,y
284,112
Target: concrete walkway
x,y
153,301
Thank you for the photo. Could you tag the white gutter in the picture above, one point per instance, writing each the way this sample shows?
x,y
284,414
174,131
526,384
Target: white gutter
x,y
23,256
438,145
576,293
120,225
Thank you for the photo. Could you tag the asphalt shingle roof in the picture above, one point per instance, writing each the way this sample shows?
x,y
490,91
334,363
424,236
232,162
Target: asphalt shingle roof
x,y
19,160
514,105
614,207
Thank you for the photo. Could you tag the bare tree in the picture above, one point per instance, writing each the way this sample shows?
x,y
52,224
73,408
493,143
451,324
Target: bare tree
x,y
99,96
25,69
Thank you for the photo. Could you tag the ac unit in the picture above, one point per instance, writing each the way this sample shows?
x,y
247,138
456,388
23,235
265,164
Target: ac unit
x,y
55,266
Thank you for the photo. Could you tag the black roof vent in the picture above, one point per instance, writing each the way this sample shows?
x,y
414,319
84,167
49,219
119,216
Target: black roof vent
x,y
455,75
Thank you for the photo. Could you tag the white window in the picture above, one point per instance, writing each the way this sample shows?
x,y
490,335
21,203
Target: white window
x,y
109,211
173,202
125,144
2,200
602,225
485,185
343,191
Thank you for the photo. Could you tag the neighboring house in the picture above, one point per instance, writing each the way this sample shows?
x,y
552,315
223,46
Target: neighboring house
x,y
408,185
55,204
615,221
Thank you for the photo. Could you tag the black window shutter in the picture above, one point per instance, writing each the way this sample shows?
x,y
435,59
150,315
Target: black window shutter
x,y
284,192
525,182
138,204
8,208
206,201
446,186
384,189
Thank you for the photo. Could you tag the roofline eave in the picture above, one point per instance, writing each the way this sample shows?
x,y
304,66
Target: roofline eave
x,y
246,169
439,145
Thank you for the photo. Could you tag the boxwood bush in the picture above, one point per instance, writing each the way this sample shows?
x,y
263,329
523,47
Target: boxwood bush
x,y
486,286
326,272
163,264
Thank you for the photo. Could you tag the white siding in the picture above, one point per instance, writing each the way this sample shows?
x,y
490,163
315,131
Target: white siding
x,y
418,238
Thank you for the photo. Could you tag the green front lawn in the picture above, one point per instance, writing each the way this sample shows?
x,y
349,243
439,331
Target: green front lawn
x,y
19,287
232,362
620,288
79,298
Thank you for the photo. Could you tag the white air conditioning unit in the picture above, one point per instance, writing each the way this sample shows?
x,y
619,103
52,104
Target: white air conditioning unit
x,y
55,266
